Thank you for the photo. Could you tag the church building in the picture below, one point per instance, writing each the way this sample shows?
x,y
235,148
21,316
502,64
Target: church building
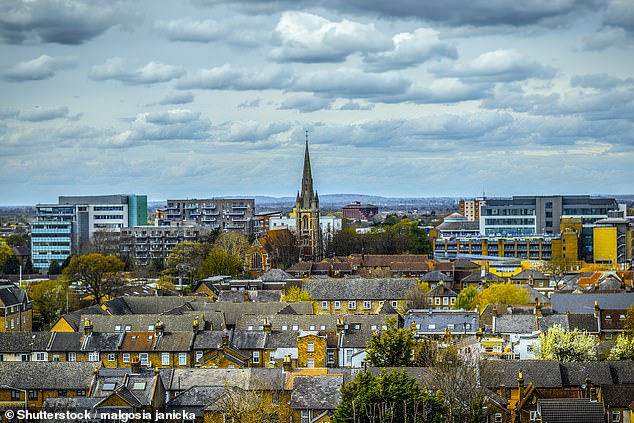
x,y
307,215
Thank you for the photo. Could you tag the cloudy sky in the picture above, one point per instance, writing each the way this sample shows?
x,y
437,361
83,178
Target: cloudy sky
x,y
401,98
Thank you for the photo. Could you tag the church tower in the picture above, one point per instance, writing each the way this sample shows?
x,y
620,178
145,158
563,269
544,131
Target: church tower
x,y
307,215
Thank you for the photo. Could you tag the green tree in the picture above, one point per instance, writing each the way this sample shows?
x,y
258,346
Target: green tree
x,y
623,348
628,326
17,240
467,299
100,275
28,266
51,299
11,266
296,294
502,293
54,268
561,345
233,243
416,297
5,252
185,259
220,262
392,347
388,397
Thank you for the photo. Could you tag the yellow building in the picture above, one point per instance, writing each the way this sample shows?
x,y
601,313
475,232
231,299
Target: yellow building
x,y
613,241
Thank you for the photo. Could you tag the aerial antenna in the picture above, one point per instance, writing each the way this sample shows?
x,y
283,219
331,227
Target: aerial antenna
x,y
307,136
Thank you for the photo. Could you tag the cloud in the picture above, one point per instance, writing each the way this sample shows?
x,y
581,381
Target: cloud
x,y
351,82
59,21
250,103
355,105
606,38
250,131
306,103
410,49
9,113
118,69
227,77
444,90
44,114
498,66
177,98
620,13
176,124
600,81
43,67
309,38
209,31
451,12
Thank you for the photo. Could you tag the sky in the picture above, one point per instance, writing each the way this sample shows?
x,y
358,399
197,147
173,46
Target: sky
x,y
201,98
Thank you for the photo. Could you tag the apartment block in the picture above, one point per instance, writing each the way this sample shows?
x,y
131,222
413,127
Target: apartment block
x,y
223,214
358,211
59,230
147,243
614,241
470,209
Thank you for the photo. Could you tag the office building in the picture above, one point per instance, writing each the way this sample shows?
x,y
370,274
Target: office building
x,y
223,214
357,211
59,230
534,215
613,241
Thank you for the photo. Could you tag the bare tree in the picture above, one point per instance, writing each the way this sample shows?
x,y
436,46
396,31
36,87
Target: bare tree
x,y
256,404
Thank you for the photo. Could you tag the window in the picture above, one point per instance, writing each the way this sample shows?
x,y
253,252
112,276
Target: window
x,y
305,416
394,304
453,300
117,328
337,305
498,417
311,363
608,335
352,305
128,327
80,393
437,300
311,327
55,357
616,416
256,357
138,386
322,327
467,326
93,356
533,416
310,347
165,359
62,393
143,358
40,356
72,356
111,357
199,356
445,300
250,327
367,305
324,305
227,419
284,327
295,327
15,394
431,326
126,357
372,327
182,359
32,394
331,357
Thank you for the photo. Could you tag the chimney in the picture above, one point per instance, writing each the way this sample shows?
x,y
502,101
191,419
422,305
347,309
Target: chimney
x,y
246,296
225,338
135,366
479,334
597,310
520,384
88,327
587,388
196,325
340,326
159,328
267,326
538,313
287,363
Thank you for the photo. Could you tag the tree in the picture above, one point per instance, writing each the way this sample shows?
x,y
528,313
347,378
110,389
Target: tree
x,y
628,326
256,404
17,240
502,293
28,266
54,268
233,243
388,397
185,259
467,299
219,262
11,266
296,294
561,345
391,347
99,274
5,252
623,349
416,297
51,299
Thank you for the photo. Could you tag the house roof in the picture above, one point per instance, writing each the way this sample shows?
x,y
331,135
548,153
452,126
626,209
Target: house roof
x,y
528,274
575,374
464,264
488,277
584,322
104,341
208,339
583,303
541,373
526,323
141,322
359,289
23,342
197,396
563,410
249,340
174,341
436,321
436,276
316,392
65,341
261,296
617,396
138,341
442,290
62,375
275,275
11,295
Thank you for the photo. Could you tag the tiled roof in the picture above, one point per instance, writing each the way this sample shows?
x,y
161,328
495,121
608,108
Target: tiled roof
x,y
436,276
584,322
175,341
436,321
580,303
564,410
359,289
527,274
488,277
138,341
526,323
23,342
618,396
11,295
140,322
316,392
197,396
65,341
575,374
275,275
442,291
542,374
104,341
61,375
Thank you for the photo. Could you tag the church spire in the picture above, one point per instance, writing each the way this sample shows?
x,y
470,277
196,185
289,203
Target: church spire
x,y
307,193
